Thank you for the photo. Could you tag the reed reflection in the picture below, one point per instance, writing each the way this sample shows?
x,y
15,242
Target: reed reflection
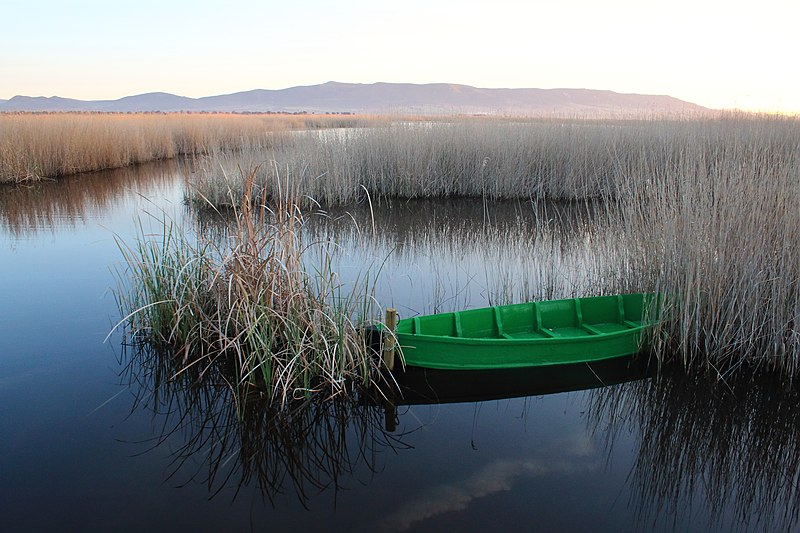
x,y
231,438
68,202
733,445
458,254
452,222
404,221
454,254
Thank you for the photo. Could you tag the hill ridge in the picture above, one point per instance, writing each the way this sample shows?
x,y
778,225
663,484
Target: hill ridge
x,y
380,97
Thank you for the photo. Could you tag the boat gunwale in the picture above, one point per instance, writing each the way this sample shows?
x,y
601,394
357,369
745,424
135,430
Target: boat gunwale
x,y
549,335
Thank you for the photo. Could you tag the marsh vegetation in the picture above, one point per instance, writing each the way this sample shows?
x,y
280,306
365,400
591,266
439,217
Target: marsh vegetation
x,y
51,145
702,210
191,440
249,299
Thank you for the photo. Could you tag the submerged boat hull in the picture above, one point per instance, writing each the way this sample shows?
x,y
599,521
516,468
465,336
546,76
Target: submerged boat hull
x,y
532,334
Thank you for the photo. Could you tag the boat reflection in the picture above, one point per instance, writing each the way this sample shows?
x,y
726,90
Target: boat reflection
x,y
426,386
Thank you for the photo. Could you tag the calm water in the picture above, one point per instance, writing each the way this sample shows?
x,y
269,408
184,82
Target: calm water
x,y
94,439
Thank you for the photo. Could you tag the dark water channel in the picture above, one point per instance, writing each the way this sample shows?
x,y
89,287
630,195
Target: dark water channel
x,y
97,438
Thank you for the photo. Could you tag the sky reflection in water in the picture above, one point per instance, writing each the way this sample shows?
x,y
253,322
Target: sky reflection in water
x,y
95,439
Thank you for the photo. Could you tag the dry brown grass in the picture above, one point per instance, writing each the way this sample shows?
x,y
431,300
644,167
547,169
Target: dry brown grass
x,y
35,146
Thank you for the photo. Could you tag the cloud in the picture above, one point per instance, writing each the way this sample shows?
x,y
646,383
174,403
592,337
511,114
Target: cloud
x,y
498,476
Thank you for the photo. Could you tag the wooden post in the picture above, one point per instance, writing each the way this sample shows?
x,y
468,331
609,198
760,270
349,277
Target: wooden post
x,y
390,417
388,343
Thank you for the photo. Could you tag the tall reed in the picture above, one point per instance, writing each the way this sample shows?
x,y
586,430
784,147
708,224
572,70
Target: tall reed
x,y
35,146
253,298
715,224
495,160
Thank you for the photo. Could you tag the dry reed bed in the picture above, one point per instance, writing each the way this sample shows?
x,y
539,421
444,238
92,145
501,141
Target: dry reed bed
x,y
35,146
715,223
249,299
492,159
498,159
705,211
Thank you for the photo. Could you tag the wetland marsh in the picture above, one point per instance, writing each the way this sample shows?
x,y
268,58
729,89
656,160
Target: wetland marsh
x,y
109,435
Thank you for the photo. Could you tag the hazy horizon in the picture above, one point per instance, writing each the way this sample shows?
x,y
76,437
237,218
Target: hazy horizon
x,y
383,98
715,54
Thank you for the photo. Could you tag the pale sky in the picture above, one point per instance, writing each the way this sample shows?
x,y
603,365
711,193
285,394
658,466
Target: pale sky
x,y
715,53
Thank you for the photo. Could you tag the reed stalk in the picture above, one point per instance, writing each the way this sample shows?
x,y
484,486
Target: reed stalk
x,y
252,298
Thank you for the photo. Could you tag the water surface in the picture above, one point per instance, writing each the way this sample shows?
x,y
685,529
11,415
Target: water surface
x,y
97,437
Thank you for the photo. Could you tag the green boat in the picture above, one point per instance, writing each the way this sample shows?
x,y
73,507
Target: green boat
x,y
554,332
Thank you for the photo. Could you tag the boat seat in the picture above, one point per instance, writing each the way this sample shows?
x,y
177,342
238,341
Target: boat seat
x,y
526,335
610,327
568,331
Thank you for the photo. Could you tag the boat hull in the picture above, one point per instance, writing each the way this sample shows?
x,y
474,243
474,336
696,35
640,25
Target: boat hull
x,y
557,332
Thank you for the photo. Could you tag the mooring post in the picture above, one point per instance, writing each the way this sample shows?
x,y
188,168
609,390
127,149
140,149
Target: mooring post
x,y
388,347
390,417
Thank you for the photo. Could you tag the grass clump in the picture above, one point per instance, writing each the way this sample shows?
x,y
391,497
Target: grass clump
x,y
258,298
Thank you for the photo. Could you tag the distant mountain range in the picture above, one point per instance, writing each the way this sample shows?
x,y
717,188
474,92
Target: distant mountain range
x,y
389,98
